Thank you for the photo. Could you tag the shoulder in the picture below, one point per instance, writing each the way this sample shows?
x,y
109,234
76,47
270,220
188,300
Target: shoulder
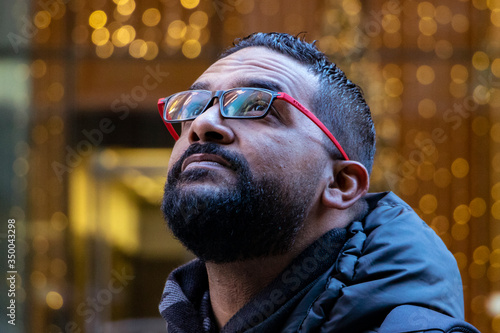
x,y
411,318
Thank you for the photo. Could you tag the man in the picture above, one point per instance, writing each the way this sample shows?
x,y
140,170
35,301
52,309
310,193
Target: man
x,y
267,186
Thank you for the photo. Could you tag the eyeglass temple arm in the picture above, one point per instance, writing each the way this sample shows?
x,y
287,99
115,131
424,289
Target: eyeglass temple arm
x,y
169,126
310,115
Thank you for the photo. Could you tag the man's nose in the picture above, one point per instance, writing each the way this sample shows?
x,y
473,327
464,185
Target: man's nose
x,y
210,126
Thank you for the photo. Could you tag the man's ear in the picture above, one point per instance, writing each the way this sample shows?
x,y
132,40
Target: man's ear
x,y
350,183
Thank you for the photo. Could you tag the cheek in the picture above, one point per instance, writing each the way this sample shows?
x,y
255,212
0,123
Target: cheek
x,y
177,152
279,156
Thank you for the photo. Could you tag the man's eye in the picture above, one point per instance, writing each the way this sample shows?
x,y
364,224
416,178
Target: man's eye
x,y
253,107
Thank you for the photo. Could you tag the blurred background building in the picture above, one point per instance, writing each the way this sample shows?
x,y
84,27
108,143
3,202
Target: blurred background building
x,y
84,153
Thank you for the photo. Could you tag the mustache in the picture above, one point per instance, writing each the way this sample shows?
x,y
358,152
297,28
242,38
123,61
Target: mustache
x,y
236,161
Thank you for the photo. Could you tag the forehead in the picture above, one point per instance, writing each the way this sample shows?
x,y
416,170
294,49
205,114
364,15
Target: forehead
x,y
258,64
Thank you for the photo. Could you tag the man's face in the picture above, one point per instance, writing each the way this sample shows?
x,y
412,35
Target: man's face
x,y
243,188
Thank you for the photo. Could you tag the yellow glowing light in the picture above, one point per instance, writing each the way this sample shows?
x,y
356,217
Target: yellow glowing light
x,y
192,33
477,271
38,68
493,274
389,129
244,7
177,29
460,231
481,255
440,224
443,49
425,74
493,4
495,258
495,67
459,73
495,191
480,4
190,4
100,36
391,70
351,7
59,221
427,26
458,89
461,259
495,17
54,300
55,92
427,108
442,177
38,279
191,49
152,51
80,34
428,204
391,23
481,94
493,308
460,23
478,304
480,60
461,214
477,207
98,19
123,36
198,19
460,168
151,17
495,132
425,9
42,19
125,7
394,87
138,48
443,15
495,210
495,98
173,43
392,40
105,51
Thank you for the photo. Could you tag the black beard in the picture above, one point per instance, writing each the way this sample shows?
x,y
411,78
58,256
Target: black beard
x,y
252,219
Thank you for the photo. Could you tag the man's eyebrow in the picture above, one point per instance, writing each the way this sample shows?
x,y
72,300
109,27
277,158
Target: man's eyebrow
x,y
273,86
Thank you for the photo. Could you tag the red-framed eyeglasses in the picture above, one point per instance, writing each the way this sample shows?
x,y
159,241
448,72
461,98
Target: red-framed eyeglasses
x,y
237,103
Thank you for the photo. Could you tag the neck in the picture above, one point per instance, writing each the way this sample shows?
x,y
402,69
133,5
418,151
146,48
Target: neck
x,y
232,285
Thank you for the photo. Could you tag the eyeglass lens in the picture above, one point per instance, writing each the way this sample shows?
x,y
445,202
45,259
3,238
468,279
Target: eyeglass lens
x,y
245,103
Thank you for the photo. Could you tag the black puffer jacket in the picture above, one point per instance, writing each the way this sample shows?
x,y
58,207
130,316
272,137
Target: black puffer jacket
x,y
392,274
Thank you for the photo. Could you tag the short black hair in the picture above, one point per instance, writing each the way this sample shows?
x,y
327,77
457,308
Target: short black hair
x,y
339,103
